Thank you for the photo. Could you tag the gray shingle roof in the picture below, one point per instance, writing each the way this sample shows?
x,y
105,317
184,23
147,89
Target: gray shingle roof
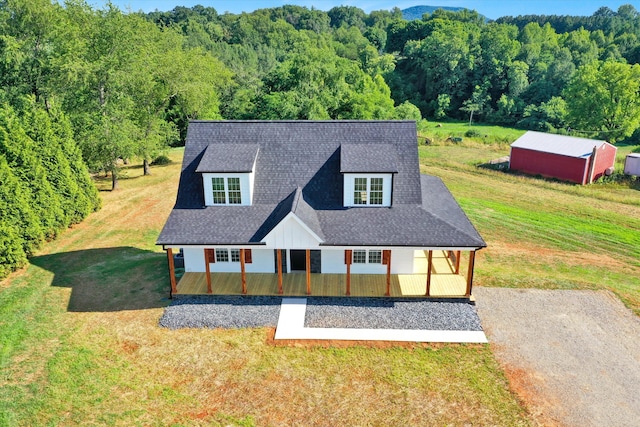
x,y
570,146
298,170
368,158
228,158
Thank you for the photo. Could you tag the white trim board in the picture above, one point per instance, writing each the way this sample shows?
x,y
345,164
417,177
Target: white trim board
x,y
291,327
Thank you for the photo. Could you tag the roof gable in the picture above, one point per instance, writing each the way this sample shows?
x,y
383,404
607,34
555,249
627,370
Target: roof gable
x,y
292,232
570,146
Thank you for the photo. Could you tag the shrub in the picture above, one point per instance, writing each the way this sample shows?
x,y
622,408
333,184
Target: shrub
x,y
161,160
472,134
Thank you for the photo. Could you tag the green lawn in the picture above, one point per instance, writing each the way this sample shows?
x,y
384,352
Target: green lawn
x,y
80,343
81,346
542,233
440,132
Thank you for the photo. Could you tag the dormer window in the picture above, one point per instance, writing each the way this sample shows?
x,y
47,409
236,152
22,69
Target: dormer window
x,y
368,191
227,174
226,191
368,174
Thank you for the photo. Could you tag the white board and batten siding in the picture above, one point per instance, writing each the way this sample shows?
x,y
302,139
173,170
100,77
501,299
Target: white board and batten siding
x,y
292,233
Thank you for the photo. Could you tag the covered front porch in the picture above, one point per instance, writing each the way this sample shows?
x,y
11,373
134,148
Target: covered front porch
x,y
444,281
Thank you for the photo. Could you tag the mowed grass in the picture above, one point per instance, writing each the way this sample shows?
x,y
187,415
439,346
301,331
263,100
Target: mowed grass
x,y
81,345
440,132
541,233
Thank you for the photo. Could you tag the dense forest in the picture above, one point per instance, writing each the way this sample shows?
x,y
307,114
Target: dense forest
x,y
85,89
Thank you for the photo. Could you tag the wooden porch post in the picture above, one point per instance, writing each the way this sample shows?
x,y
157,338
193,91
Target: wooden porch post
x,y
308,255
348,254
388,257
457,262
279,252
429,266
207,258
172,271
243,273
472,258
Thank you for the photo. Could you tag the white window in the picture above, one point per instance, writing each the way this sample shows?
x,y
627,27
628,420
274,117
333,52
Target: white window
x,y
372,256
359,257
226,191
222,255
226,255
363,190
367,191
375,256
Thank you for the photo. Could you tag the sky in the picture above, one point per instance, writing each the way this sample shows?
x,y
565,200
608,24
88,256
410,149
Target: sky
x,y
492,9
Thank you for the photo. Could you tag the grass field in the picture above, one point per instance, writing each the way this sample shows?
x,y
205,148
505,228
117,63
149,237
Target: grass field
x,y
542,233
81,345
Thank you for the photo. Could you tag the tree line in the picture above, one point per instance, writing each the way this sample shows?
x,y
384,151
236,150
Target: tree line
x,y
86,89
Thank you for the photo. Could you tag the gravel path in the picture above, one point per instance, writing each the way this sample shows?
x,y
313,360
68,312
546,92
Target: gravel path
x,y
573,356
364,313
221,312
377,313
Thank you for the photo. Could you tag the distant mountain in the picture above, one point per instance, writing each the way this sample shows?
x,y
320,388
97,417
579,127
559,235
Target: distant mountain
x,y
416,12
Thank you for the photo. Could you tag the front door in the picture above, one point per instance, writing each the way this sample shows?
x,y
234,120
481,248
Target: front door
x,y
298,259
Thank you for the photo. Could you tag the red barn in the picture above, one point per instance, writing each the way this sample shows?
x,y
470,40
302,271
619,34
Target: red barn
x,y
566,158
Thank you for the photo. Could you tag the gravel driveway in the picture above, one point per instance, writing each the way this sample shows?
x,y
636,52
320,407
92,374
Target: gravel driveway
x,y
573,356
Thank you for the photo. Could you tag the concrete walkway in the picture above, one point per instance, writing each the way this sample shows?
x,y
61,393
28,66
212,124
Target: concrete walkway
x,y
291,327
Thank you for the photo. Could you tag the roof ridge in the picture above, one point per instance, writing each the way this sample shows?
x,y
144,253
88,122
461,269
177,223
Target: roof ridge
x,y
296,199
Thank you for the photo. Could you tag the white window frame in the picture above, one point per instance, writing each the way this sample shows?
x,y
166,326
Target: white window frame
x,y
227,255
362,198
241,197
368,258
357,253
237,194
376,258
222,255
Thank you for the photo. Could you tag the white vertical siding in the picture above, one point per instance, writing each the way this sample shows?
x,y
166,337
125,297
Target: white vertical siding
x,y
290,234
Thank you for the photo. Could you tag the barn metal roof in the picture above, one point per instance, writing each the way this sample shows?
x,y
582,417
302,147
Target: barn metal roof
x,y
563,145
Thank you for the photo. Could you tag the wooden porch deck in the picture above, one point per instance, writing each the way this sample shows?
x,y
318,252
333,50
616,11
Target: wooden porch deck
x,y
295,284
444,283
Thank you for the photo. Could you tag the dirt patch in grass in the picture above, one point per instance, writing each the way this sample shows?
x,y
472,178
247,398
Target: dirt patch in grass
x,y
521,382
